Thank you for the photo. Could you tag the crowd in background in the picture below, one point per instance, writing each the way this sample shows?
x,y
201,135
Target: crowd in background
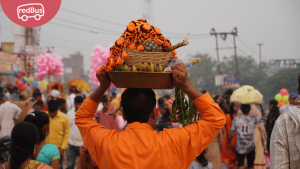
x,y
49,129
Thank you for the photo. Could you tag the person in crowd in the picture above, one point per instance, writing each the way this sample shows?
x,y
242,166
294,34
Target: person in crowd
x,y
285,137
8,113
70,99
218,99
109,109
24,137
54,94
15,94
75,140
161,126
139,145
38,105
227,95
165,114
114,100
168,102
45,153
272,117
7,92
285,108
245,128
62,105
229,156
59,128
213,154
201,162
224,105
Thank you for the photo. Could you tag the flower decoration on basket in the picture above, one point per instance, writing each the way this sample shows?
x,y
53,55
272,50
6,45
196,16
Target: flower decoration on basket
x,y
138,36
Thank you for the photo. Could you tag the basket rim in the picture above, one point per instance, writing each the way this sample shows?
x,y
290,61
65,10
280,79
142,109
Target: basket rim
x,y
138,72
146,52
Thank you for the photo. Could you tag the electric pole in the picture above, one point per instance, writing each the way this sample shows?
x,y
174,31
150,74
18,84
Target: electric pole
x,y
260,44
148,11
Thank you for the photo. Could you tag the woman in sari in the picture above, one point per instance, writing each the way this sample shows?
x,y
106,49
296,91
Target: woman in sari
x,y
259,138
24,137
227,156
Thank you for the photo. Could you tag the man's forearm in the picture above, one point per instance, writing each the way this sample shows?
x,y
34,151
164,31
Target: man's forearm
x,y
97,95
191,91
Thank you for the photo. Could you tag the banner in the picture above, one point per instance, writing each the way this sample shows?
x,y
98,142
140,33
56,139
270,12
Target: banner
x,y
37,49
7,47
10,63
227,81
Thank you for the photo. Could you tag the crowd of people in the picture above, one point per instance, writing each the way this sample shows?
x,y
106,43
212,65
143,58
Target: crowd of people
x,y
133,129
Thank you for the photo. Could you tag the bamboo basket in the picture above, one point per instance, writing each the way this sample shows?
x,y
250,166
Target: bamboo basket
x,y
136,57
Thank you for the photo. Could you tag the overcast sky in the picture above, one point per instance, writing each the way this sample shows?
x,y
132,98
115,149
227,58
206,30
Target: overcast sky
x,y
276,23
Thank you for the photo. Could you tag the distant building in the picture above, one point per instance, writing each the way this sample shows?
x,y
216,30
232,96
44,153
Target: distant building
x,y
73,68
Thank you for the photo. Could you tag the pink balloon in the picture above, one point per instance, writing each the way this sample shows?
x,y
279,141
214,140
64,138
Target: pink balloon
x,y
283,92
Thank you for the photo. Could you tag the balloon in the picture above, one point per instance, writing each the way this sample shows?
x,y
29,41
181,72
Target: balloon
x,y
278,97
280,104
9,84
19,76
35,83
283,92
15,74
49,65
23,73
31,77
29,81
43,84
41,89
24,80
285,99
20,84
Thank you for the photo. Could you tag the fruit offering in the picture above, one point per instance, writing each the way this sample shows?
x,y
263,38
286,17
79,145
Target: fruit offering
x,y
141,36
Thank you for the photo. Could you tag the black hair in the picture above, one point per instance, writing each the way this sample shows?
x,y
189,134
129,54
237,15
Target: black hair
x,y
138,104
161,126
228,92
24,136
113,94
71,90
274,114
222,107
78,99
202,160
167,96
61,101
203,91
15,88
53,105
55,87
39,103
161,102
104,99
245,108
1,89
216,97
36,93
39,119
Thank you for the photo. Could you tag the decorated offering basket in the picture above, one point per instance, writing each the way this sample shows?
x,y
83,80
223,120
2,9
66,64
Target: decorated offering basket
x,y
151,80
136,57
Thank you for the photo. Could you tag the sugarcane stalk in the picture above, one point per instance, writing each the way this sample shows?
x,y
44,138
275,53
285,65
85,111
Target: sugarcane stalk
x,y
178,45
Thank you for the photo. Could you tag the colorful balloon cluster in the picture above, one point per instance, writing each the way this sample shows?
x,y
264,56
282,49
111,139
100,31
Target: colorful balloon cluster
x,y
49,65
99,58
282,97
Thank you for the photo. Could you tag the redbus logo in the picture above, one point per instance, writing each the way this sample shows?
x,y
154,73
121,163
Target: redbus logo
x,y
34,10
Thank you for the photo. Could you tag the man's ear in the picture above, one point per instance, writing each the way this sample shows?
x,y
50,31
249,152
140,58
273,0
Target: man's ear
x,y
123,115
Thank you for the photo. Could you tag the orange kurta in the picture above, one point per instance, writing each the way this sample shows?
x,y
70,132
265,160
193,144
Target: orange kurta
x,y
226,155
139,146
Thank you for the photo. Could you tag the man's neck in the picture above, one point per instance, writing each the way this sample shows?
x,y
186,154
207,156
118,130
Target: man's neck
x,y
246,114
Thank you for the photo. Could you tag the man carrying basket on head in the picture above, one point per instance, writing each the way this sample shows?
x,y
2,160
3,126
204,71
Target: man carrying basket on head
x,y
139,146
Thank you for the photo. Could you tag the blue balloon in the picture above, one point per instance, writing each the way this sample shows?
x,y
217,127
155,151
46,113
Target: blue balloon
x,y
35,83
24,80
16,73
112,90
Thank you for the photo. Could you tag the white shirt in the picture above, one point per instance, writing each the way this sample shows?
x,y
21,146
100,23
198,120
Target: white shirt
x,y
8,112
75,137
196,165
70,101
284,108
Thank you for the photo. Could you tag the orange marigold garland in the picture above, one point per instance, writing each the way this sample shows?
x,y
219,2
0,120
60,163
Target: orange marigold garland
x,y
138,32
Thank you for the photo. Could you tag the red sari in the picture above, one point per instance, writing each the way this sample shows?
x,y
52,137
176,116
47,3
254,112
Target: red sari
x,y
226,155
